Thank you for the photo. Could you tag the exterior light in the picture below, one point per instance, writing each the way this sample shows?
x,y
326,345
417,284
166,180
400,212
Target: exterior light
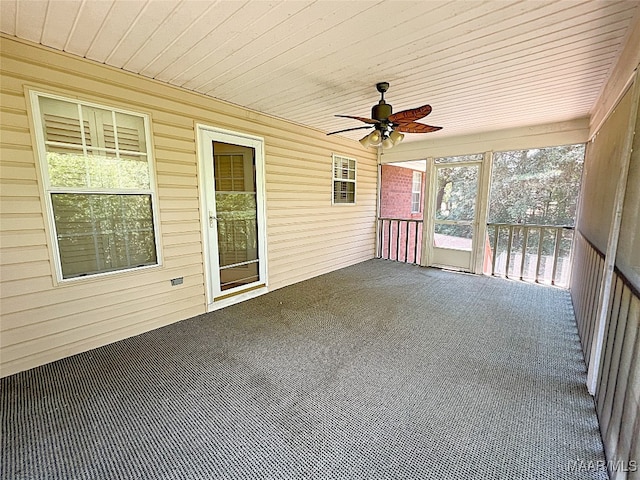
x,y
371,140
365,141
396,137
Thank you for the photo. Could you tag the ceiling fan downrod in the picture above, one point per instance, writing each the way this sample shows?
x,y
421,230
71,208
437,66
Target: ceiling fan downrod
x,y
382,110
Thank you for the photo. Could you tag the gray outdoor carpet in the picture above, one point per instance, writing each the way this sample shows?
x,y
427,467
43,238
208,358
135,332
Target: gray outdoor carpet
x,y
377,371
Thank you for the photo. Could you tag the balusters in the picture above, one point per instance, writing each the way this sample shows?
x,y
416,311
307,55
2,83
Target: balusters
x,y
397,232
550,267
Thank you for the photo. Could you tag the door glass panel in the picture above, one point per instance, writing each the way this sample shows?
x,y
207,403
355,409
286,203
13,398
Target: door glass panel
x,y
456,237
455,205
456,194
236,213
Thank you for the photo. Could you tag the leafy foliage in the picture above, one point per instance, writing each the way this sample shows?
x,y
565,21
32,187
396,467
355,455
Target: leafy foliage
x,y
71,168
537,186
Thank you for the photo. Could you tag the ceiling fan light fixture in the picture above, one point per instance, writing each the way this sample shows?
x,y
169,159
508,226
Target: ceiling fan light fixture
x,y
365,142
372,140
396,137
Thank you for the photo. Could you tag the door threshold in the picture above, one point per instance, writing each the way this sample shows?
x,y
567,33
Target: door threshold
x,y
237,297
449,268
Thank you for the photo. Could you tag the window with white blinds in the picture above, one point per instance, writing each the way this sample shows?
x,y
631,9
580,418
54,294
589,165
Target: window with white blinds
x,y
344,180
97,174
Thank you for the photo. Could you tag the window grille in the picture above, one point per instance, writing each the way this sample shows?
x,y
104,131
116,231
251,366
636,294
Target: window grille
x,y
416,192
344,180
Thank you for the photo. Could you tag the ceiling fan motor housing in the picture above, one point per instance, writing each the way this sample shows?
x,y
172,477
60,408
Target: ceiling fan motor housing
x,y
381,111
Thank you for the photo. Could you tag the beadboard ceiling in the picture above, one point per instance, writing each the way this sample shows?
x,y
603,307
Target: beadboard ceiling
x,y
482,65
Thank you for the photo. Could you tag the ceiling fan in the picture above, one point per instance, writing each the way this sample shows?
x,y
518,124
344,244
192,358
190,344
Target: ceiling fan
x,y
388,126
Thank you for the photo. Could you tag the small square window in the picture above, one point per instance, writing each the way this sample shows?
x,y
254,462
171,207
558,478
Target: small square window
x,y
344,180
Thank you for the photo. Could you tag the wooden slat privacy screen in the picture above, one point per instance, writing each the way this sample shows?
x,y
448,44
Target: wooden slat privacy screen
x,y
618,392
588,264
618,388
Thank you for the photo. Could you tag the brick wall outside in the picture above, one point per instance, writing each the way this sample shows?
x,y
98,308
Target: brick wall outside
x,y
395,202
395,193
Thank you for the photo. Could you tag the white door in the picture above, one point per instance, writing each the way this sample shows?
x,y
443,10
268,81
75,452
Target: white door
x,y
453,229
233,214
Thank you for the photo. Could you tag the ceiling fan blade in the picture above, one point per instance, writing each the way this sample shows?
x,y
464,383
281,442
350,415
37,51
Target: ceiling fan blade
x,y
362,119
415,127
410,115
349,129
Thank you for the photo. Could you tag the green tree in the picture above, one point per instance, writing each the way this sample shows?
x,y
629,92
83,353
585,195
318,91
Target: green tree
x,y
537,186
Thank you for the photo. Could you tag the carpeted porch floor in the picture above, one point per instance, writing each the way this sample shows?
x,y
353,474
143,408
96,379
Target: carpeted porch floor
x,y
377,371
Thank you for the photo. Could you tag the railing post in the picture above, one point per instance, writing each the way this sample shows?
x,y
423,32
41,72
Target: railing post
x,y
495,249
406,241
509,244
415,246
381,235
540,241
525,238
398,240
556,252
389,242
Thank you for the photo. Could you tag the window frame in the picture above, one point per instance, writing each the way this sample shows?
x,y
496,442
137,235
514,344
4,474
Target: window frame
x,y
48,190
334,179
418,192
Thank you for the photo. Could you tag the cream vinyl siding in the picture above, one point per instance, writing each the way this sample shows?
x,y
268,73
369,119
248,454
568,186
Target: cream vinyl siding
x,y
306,236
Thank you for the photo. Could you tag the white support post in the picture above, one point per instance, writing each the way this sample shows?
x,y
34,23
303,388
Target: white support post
x,y
428,212
482,212
377,244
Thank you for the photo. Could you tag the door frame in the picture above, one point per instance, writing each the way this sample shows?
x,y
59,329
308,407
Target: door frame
x,y
479,224
205,134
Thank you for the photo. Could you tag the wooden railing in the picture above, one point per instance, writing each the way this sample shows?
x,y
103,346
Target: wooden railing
x,y
399,240
617,401
541,253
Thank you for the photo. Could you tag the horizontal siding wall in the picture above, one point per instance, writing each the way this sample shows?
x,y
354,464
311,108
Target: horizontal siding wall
x,y
307,236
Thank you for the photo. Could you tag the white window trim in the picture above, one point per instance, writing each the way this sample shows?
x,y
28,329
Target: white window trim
x,y
48,189
413,192
334,179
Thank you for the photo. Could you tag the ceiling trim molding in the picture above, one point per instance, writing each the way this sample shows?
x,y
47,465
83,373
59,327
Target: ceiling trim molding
x,y
535,136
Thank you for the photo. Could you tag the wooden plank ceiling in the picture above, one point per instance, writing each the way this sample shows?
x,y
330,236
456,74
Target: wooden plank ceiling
x,y
482,65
